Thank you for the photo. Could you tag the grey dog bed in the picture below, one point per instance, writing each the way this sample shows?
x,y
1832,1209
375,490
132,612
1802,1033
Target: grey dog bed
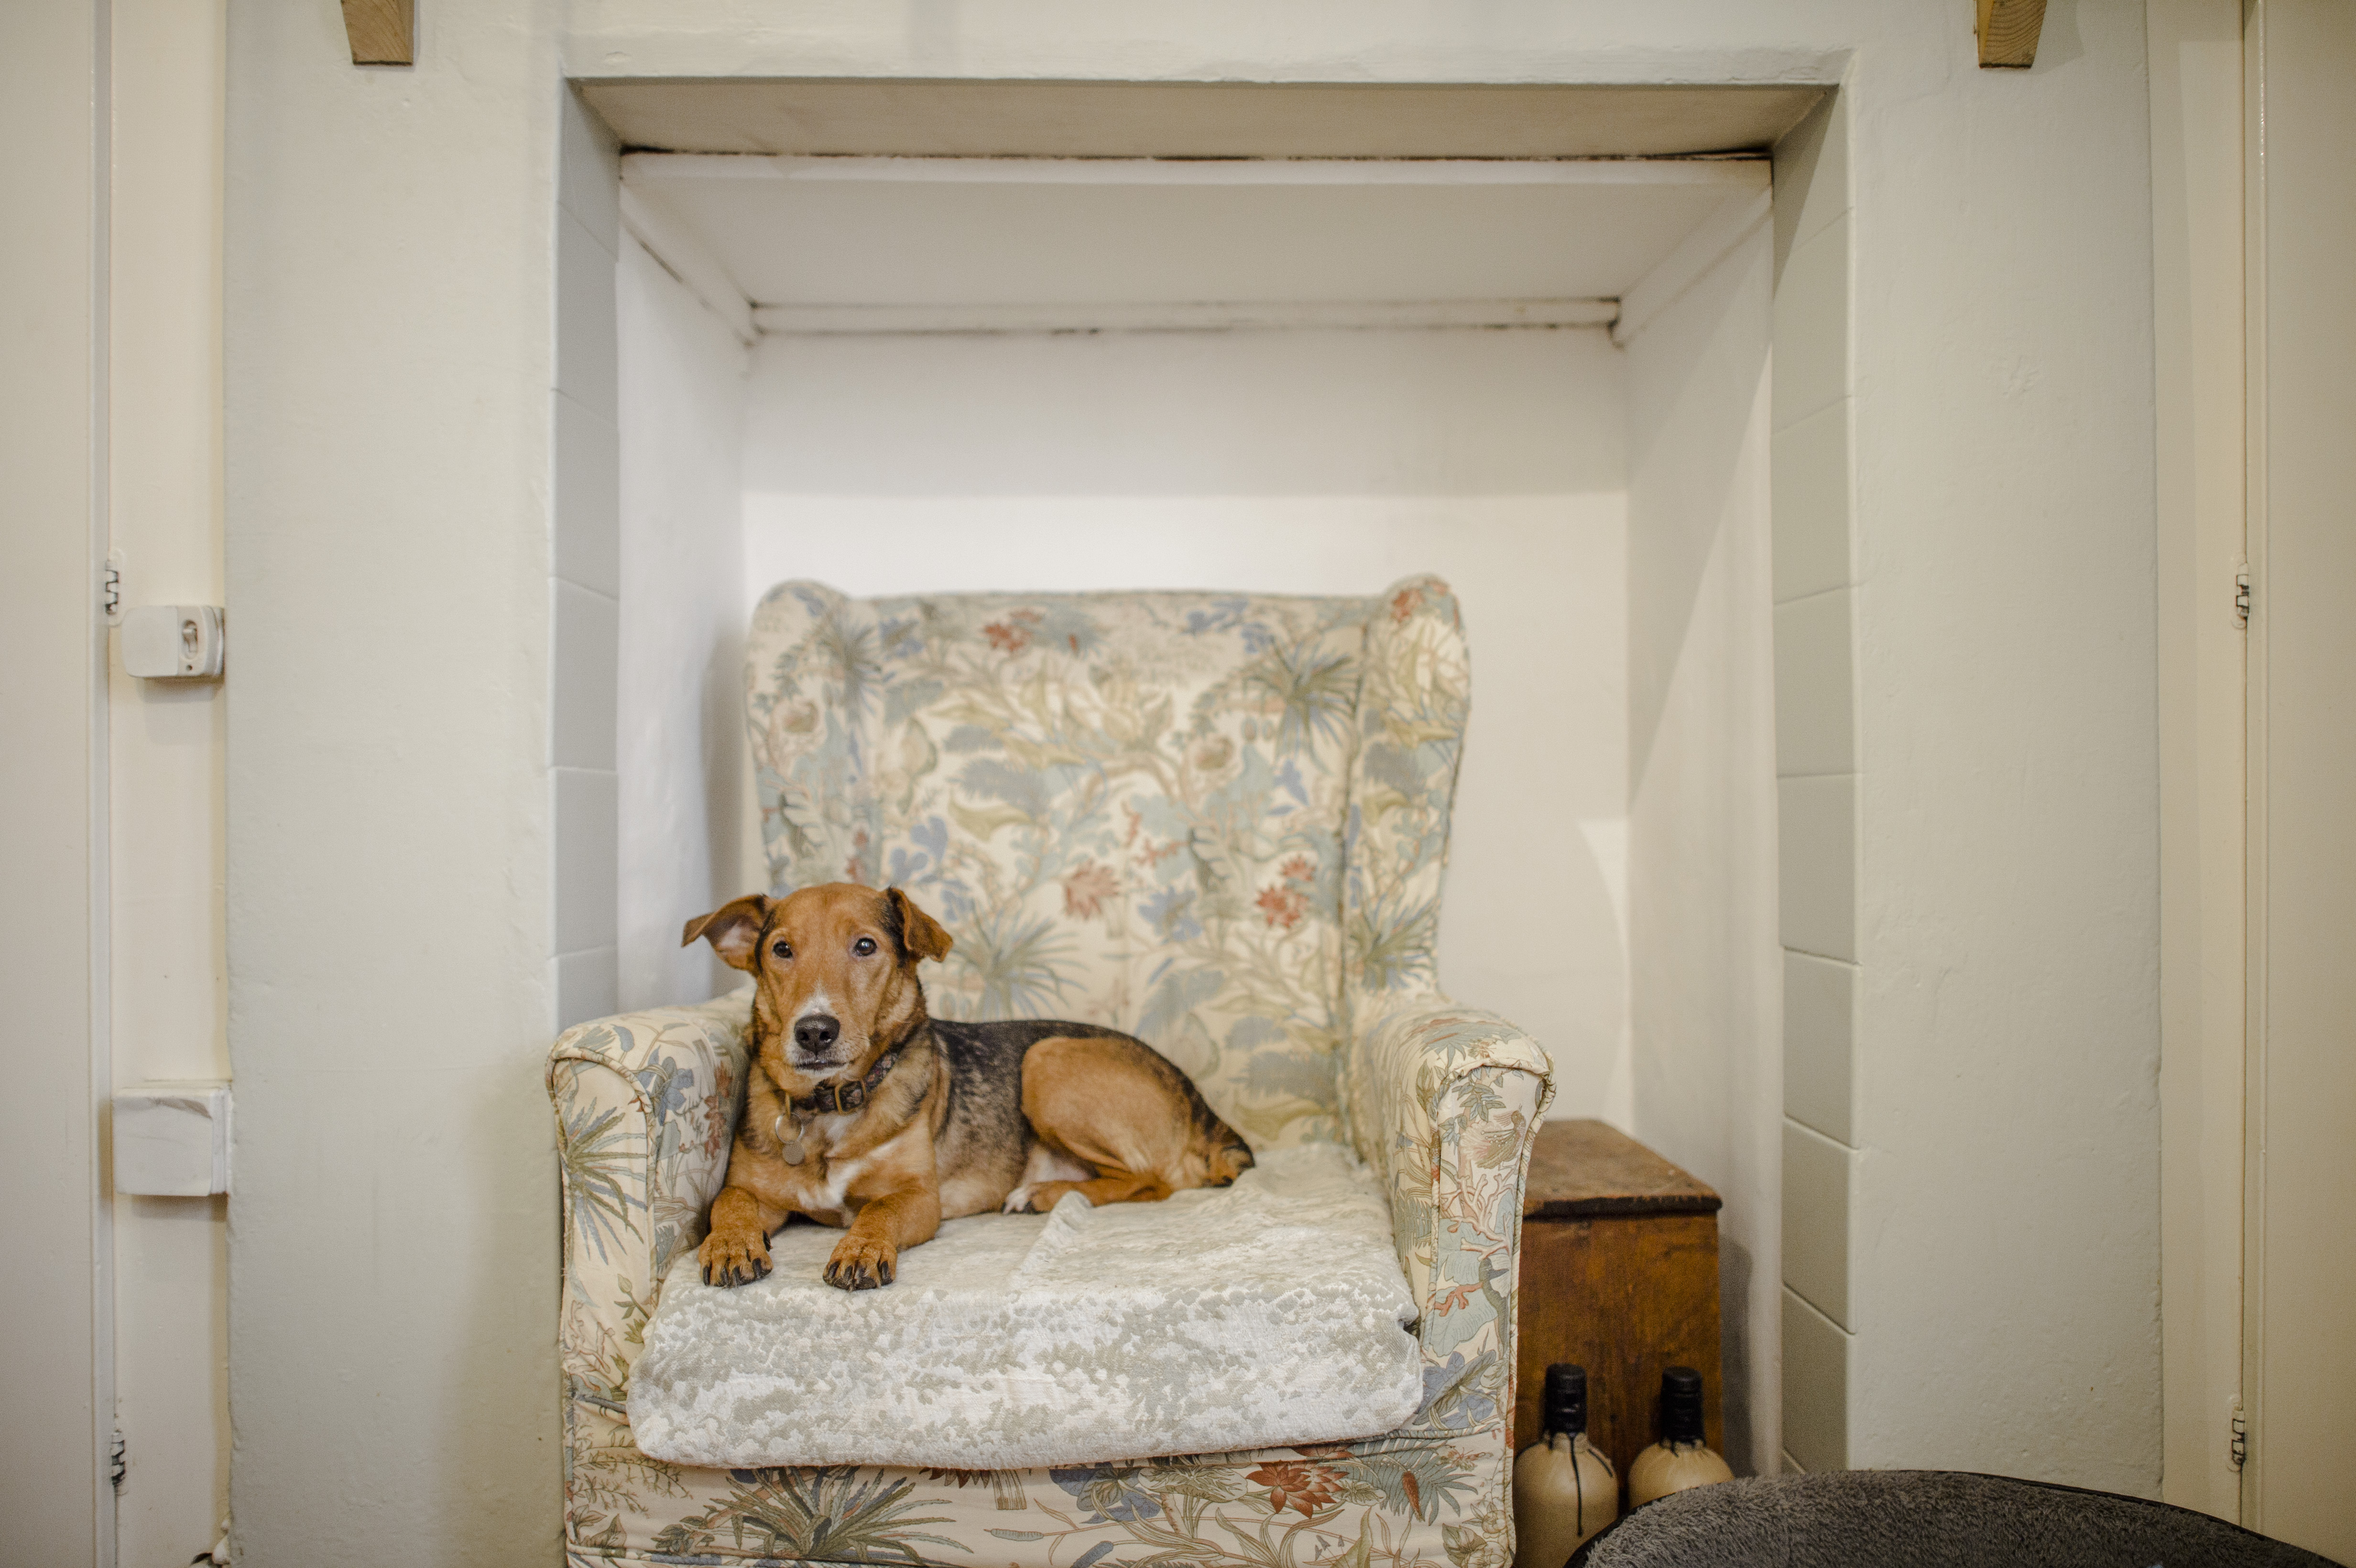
x,y
1937,1519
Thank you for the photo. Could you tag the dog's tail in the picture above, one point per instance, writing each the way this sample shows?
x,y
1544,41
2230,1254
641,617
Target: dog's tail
x,y
1220,1147
1230,1159
1226,1155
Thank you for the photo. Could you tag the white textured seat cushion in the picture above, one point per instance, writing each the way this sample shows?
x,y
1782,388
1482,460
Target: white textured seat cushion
x,y
1271,1313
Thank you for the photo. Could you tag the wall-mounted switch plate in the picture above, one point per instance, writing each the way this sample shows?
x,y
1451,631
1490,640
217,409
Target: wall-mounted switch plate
x,y
172,642
172,1139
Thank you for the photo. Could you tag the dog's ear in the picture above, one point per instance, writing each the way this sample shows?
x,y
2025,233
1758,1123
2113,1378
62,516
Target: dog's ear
x,y
734,929
920,934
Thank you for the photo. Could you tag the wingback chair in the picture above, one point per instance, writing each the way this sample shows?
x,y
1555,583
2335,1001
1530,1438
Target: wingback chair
x,y
1218,821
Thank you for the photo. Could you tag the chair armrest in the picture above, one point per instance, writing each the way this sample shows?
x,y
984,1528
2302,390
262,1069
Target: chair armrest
x,y
646,1108
1445,1103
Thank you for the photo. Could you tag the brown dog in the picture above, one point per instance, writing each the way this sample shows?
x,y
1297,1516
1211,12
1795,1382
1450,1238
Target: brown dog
x,y
864,1110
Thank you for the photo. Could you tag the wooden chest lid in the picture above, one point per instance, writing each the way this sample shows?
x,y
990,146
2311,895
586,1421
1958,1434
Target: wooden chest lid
x,y
1585,1171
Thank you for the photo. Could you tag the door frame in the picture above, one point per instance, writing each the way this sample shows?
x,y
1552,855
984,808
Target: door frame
x,y
2198,64
2253,821
55,1490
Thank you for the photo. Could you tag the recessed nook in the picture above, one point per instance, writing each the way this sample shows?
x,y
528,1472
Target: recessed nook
x,y
1298,339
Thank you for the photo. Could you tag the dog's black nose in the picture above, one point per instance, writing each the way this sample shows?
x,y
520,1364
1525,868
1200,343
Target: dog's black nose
x,y
816,1032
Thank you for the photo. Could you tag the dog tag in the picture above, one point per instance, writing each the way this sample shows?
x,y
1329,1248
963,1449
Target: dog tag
x,y
793,1152
791,1149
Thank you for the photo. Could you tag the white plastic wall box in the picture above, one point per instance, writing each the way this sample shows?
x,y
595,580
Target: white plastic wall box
x,y
172,642
172,1139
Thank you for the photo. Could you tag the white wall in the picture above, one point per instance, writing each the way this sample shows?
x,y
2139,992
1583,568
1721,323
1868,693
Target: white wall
x,y
169,982
1702,880
1281,462
585,572
390,297
1816,752
2004,1235
680,750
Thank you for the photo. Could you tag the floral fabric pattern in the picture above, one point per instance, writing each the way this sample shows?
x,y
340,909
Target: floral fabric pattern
x,y
1132,809
1415,690
646,1109
1219,822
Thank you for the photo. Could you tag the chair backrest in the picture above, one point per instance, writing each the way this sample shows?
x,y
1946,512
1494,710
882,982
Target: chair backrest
x,y
1213,820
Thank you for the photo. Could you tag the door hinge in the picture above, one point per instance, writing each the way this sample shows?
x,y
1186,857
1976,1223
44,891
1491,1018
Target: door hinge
x,y
118,1461
109,588
2241,597
2237,1449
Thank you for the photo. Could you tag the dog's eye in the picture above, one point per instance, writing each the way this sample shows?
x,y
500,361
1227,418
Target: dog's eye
x,y
782,949
864,946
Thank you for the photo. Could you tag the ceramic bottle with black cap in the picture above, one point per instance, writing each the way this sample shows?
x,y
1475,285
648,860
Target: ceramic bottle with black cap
x,y
1564,1491
1683,1459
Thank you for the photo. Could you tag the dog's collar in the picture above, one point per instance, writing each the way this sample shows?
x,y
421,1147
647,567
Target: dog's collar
x,y
833,1098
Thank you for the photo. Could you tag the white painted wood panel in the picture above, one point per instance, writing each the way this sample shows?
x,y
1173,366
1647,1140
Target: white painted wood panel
x,y
948,231
57,1364
2197,201
2301,1369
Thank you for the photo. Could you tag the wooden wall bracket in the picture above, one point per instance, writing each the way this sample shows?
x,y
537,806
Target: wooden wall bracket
x,y
2007,30
384,32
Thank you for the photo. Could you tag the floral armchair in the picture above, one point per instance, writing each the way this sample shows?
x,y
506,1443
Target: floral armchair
x,y
1218,821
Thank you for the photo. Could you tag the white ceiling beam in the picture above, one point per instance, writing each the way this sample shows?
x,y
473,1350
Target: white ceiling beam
x,y
830,320
1743,173
717,108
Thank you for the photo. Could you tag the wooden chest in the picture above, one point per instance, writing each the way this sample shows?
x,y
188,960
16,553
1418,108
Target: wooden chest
x,y
1619,1275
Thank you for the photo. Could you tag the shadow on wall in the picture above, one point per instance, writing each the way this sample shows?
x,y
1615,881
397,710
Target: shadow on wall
x,y
680,749
1704,974
1737,1269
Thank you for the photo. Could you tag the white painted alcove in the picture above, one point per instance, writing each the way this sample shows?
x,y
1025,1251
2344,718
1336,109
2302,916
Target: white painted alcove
x,y
1543,379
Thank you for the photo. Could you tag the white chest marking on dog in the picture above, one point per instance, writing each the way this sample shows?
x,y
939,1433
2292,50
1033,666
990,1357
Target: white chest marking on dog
x,y
820,1187
839,1177
828,1200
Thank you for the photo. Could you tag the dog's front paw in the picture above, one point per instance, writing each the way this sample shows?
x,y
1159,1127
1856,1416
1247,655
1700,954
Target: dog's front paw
x,y
862,1263
732,1259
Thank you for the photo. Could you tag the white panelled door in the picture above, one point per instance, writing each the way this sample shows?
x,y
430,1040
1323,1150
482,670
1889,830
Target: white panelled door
x,y
2300,1374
